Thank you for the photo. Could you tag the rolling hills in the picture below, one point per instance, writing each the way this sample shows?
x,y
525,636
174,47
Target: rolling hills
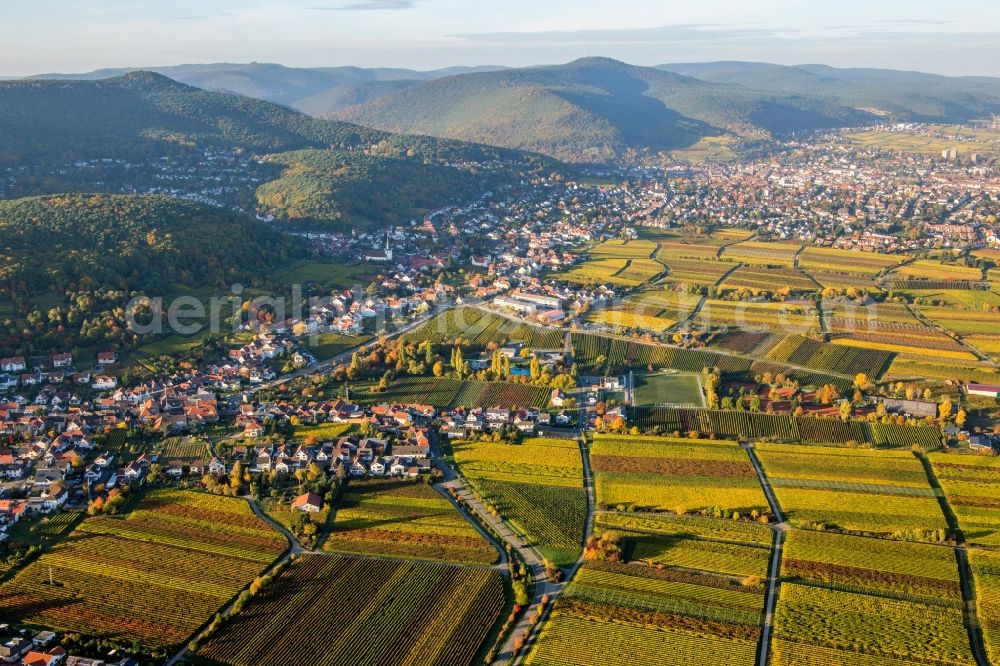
x,y
592,110
290,86
142,117
912,96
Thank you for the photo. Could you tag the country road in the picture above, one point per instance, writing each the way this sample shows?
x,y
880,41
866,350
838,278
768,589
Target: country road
x,y
774,577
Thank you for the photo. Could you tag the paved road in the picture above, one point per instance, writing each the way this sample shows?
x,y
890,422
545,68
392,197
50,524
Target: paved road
x,y
773,579
339,358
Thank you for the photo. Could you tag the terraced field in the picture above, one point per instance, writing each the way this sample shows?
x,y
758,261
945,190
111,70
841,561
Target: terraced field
x,y
405,519
154,576
537,486
361,611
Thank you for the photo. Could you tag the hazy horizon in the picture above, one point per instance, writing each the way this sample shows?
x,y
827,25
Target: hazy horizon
x,y
52,36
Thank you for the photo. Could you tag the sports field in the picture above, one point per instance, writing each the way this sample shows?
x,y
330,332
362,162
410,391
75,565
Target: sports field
x,y
665,388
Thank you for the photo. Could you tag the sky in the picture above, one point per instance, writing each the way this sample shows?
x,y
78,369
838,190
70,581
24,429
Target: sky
x,y
961,37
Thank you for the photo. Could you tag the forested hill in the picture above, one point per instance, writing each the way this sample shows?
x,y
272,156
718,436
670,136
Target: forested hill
x,y
593,110
901,95
142,114
143,132
131,243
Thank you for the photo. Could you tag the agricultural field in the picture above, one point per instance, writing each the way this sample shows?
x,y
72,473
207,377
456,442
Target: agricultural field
x,y
799,318
943,369
449,393
681,250
845,281
185,450
762,280
616,271
840,359
708,150
889,327
850,600
678,390
762,253
972,485
478,328
536,485
654,311
174,561
323,432
327,276
600,353
688,591
935,271
351,611
625,249
986,575
916,143
882,493
674,474
405,519
694,272
784,427
829,260
328,345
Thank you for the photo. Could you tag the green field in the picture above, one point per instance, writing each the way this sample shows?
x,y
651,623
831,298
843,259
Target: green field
x,y
326,275
664,388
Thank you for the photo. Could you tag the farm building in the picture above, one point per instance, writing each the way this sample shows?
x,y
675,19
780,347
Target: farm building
x,y
984,443
988,390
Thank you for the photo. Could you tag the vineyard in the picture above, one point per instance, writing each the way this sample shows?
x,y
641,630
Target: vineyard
x,y
154,576
883,493
614,612
694,272
761,280
986,574
933,271
848,261
537,486
672,474
478,328
972,486
784,427
788,318
831,358
691,588
184,450
405,519
848,600
450,393
361,611
600,353
762,253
